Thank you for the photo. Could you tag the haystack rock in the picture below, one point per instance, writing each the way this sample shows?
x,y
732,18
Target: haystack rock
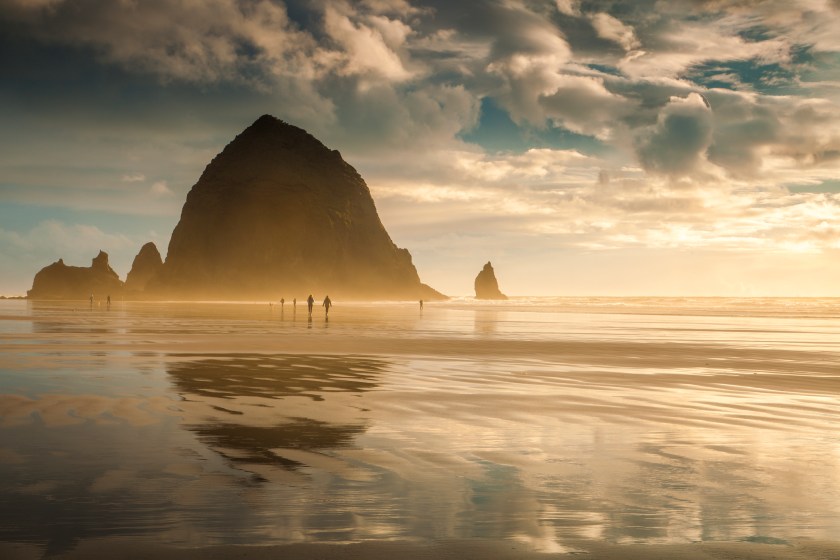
x,y
147,264
278,214
60,281
486,285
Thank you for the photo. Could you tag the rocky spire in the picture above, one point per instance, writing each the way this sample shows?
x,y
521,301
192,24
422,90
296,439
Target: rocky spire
x,y
486,285
147,264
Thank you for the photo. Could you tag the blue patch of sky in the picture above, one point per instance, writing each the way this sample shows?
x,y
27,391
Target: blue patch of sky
x,y
756,33
770,79
497,132
831,186
302,15
606,69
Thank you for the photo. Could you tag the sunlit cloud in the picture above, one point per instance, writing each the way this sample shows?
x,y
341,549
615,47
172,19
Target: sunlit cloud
x,y
159,188
612,29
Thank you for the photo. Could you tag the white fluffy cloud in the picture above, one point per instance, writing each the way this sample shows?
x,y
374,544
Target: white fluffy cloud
x,y
368,49
612,29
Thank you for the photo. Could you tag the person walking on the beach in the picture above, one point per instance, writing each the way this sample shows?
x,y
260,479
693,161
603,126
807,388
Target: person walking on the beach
x,y
421,305
294,303
91,301
327,305
310,301
109,301
282,303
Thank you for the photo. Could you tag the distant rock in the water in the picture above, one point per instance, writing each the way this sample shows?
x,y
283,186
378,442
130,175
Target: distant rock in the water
x,y
486,285
278,214
59,281
147,264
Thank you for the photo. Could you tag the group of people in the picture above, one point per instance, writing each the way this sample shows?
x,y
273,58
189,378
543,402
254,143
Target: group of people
x,y
310,302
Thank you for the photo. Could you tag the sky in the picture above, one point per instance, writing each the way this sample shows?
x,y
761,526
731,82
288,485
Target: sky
x,y
676,148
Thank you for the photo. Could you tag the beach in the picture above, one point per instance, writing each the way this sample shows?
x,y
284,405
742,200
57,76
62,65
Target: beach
x,y
536,427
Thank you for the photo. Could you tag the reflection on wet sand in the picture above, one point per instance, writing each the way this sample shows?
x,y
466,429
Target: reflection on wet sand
x,y
486,322
256,444
249,381
274,376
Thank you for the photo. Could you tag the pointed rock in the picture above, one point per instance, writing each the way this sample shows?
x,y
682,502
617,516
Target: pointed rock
x,y
277,213
147,264
59,281
486,285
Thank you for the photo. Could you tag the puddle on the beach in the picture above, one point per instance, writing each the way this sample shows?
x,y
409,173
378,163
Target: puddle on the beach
x,y
256,448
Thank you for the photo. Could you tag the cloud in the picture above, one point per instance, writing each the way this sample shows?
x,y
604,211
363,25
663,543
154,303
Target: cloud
x,y
583,104
160,188
182,40
569,7
74,240
368,50
133,178
774,139
35,4
672,52
528,58
677,144
801,21
612,29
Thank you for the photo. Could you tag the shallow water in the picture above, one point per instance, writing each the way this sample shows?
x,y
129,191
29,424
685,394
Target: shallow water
x,y
542,420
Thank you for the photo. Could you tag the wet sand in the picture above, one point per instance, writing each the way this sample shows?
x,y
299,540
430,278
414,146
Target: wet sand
x,y
464,430
444,550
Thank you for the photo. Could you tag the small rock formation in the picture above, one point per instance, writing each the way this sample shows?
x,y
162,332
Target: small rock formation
x,y
60,281
486,285
146,265
277,213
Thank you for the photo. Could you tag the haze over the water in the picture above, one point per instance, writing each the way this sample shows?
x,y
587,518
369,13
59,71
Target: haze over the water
x,y
584,147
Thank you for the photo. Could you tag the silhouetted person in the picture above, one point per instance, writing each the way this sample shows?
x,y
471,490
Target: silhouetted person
x,y
109,301
310,301
421,304
294,303
282,303
327,305
91,301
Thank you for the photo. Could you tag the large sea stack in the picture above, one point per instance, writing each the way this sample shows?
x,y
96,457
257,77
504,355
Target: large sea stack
x,y
278,214
60,281
486,285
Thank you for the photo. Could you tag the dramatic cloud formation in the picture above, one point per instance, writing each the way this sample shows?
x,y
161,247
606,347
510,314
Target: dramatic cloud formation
x,y
574,132
678,143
